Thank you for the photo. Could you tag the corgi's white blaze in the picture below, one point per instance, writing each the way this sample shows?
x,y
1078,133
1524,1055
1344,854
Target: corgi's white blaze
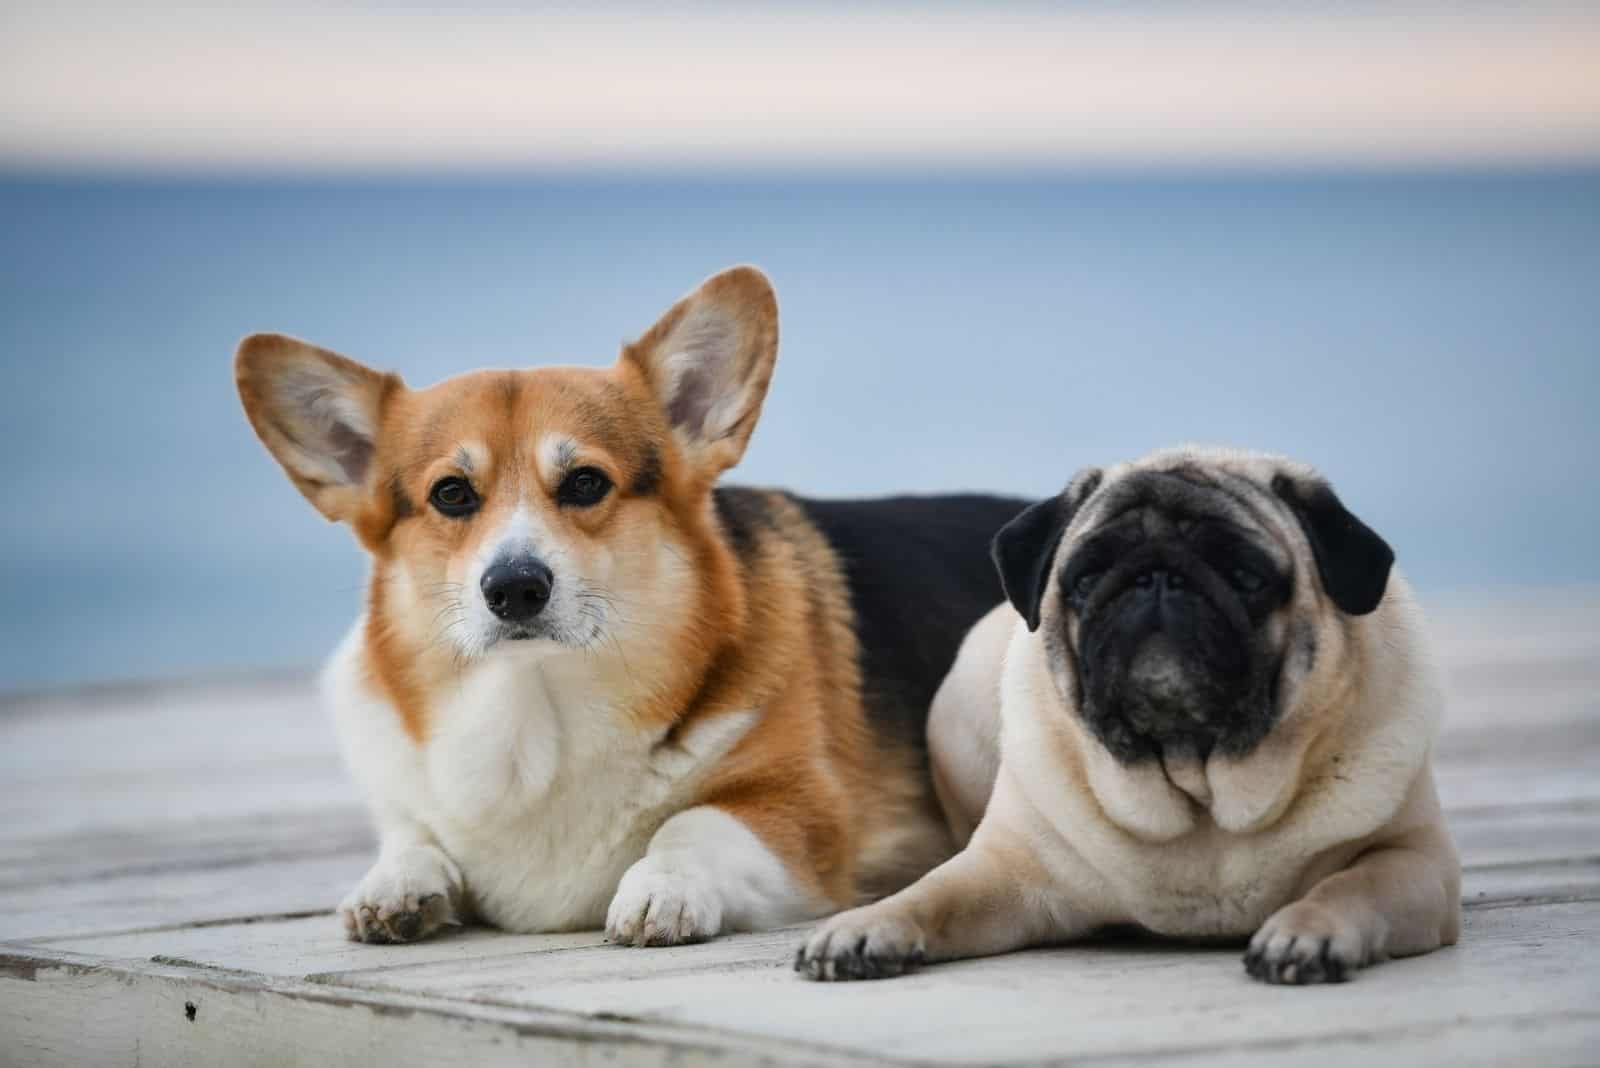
x,y
542,795
521,534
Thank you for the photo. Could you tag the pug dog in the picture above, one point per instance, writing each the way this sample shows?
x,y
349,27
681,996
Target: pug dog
x,y
1206,712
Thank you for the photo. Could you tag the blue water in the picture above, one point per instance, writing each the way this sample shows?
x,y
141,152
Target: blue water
x,y
1433,342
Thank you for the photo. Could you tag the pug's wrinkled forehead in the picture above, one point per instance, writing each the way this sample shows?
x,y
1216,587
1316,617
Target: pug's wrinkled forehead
x,y
1283,505
1172,492
1181,494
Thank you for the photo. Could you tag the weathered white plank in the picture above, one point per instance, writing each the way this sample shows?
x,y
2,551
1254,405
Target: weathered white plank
x,y
161,806
1518,661
1504,766
143,811
1527,834
1513,626
1563,780
85,856
1526,864
268,888
138,759
1515,966
1546,882
306,946
314,946
82,1012
1566,1040
1081,1003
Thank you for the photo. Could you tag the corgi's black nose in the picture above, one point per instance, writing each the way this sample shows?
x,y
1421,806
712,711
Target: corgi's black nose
x,y
517,591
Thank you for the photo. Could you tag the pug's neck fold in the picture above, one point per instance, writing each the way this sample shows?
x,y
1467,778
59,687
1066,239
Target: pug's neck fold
x,y
1164,798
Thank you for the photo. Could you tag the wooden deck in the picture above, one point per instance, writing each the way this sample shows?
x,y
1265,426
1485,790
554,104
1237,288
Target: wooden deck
x,y
169,856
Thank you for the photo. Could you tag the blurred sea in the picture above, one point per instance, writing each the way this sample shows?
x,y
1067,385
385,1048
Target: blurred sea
x,y
1431,341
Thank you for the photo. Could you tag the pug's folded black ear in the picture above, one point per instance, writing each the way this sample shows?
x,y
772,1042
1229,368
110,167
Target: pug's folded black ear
x,y
1024,548
1352,559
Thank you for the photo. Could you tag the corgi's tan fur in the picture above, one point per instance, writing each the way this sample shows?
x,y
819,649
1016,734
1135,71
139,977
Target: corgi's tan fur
x,y
589,686
677,745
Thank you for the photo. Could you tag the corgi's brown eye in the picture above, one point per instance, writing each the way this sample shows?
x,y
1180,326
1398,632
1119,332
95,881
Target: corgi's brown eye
x,y
583,487
454,497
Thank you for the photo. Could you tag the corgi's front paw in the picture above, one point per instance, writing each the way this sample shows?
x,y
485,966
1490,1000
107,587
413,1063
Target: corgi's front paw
x,y
403,898
656,905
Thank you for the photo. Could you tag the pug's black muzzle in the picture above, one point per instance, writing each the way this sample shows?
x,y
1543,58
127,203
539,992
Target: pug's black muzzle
x,y
1168,662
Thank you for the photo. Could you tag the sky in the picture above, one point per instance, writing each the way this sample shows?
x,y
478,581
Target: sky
x,y
797,87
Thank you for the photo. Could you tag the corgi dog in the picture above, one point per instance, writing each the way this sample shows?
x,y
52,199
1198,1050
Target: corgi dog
x,y
589,687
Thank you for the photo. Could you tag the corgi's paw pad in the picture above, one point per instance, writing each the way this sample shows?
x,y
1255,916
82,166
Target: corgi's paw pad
x,y
656,906
402,899
865,943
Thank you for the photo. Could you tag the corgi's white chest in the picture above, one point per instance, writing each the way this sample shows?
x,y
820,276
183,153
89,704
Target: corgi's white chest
x,y
543,799
556,865
539,789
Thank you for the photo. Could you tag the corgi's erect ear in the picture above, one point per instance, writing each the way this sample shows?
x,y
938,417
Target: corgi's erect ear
x,y
709,360
318,414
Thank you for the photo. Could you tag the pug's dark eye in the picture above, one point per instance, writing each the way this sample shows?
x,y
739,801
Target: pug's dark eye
x,y
1246,580
583,487
1086,583
453,497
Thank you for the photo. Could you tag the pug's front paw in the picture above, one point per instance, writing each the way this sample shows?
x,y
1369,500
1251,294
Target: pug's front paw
x,y
864,943
1306,942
